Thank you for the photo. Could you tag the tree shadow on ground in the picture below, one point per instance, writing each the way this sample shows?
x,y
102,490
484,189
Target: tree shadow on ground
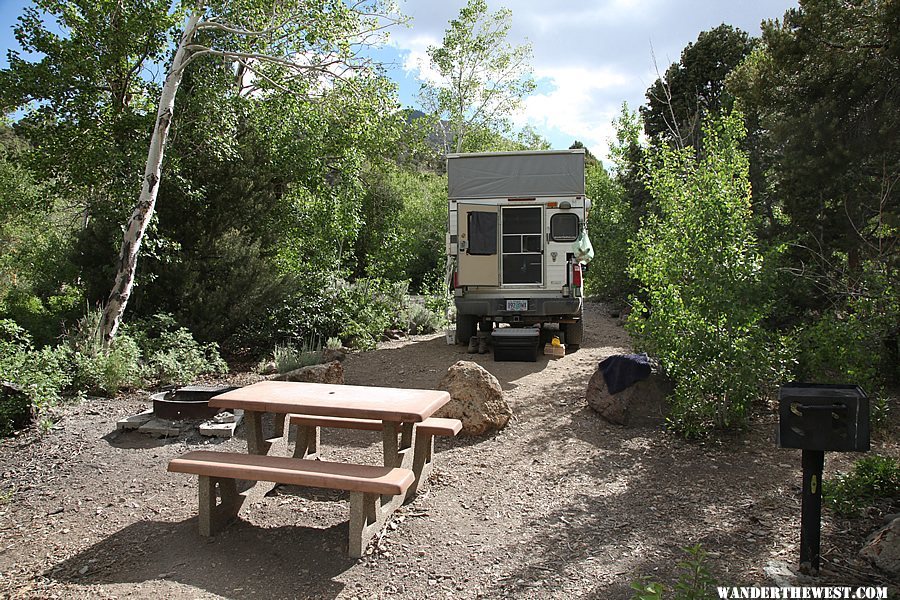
x,y
134,440
240,562
636,497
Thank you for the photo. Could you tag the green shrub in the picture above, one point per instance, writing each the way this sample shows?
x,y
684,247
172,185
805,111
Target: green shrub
x,y
372,306
42,375
694,581
611,224
100,370
109,371
144,352
703,284
421,319
289,357
171,354
42,319
326,306
838,349
872,478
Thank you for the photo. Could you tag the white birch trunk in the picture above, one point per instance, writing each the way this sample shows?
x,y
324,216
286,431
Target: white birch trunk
x,y
143,211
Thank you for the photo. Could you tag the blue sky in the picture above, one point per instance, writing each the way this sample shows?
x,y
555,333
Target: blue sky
x,y
589,56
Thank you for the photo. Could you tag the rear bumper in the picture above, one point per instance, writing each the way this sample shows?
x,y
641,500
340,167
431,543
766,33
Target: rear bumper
x,y
539,309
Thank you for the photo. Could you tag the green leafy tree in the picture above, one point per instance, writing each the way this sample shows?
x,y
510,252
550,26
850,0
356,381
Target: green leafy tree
x,y
703,278
35,235
693,89
610,226
483,78
823,86
297,47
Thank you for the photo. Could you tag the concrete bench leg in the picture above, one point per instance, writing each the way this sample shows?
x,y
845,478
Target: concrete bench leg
x,y
308,439
367,517
213,516
422,461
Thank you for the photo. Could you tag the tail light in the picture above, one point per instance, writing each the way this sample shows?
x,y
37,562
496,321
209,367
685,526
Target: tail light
x,y
455,279
576,275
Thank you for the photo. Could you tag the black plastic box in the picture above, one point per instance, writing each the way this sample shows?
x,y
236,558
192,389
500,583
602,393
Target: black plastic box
x,y
823,417
516,343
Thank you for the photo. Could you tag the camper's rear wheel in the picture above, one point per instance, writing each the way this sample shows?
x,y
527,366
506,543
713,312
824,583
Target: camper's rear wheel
x,y
465,328
574,334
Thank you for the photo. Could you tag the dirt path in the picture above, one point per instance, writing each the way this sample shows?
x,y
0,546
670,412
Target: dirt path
x,y
559,504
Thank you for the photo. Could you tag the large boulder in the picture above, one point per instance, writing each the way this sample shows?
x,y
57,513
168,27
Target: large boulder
x,y
643,403
476,399
883,547
332,372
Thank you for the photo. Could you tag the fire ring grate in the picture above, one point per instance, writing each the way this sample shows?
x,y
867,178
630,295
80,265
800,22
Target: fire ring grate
x,y
189,402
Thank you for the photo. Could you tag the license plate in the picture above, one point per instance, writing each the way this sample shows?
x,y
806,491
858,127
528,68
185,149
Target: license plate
x,y
517,305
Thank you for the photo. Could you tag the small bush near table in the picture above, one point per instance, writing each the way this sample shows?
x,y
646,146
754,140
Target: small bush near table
x,y
289,357
872,478
694,581
108,371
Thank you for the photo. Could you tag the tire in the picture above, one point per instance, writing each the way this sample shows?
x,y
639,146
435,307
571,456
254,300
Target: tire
x,y
465,328
574,334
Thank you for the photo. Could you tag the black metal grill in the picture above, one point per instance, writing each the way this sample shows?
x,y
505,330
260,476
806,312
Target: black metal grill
x,y
816,418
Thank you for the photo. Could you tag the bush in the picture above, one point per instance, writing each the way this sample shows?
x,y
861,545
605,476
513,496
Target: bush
x,y
42,375
703,284
109,371
694,581
372,306
872,478
100,370
42,319
611,224
171,354
420,319
328,306
147,351
289,357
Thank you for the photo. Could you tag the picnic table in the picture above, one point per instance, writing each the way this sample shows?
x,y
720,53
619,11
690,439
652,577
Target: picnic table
x,y
404,416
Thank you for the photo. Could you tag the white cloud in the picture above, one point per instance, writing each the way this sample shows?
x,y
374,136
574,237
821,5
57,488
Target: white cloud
x,y
577,106
589,56
415,58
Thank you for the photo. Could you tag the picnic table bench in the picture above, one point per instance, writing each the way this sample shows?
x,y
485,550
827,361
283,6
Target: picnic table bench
x,y
367,485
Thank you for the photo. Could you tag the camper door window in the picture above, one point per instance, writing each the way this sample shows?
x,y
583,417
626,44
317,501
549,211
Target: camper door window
x,y
482,233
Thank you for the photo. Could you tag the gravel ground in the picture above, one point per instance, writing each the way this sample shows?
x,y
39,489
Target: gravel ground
x,y
559,504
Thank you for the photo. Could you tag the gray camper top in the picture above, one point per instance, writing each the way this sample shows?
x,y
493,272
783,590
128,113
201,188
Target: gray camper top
x,y
528,174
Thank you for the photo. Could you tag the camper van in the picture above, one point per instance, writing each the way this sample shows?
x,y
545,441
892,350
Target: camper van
x,y
515,219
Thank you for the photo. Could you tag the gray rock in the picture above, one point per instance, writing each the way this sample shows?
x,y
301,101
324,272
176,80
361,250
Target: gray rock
x,y
268,368
332,372
883,548
476,399
644,403
332,354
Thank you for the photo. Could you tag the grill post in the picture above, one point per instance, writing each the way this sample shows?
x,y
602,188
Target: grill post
x,y
813,462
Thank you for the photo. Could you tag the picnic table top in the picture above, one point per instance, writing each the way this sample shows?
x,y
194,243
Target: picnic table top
x,y
322,399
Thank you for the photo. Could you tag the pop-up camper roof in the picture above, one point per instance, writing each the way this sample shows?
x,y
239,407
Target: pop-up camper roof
x,y
516,174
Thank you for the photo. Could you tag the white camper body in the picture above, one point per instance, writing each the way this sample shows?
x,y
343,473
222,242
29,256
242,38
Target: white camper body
x,y
513,220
